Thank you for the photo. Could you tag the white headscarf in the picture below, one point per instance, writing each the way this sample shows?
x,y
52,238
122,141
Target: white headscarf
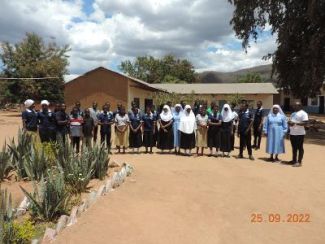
x,y
45,102
227,116
278,107
166,116
187,123
28,103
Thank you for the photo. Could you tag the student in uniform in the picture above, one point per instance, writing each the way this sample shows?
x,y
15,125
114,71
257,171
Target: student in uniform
x,y
47,123
166,135
135,135
202,130
258,125
245,124
226,130
275,128
105,120
176,121
62,123
80,110
88,129
297,123
76,122
94,113
121,134
149,129
30,120
214,130
235,125
187,128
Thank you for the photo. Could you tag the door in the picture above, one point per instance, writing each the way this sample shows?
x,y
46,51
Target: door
x,y
286,106
321,104
148,103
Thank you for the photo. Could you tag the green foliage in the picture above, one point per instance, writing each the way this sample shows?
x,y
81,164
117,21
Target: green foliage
x,y
36,163
5,164
299,59
165,70
6,217
163,97
234,99
50,198
20,233
100,156
33,58
19,152
250,78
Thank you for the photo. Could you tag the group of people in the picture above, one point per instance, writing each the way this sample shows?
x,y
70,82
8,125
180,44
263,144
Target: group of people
x,y
170,128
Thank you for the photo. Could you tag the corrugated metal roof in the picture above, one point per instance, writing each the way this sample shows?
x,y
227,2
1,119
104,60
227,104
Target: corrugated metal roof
x,y
220,88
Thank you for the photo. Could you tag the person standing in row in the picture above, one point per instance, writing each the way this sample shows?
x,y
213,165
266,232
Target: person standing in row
x,y
297,123
244,130
105,120
166,135
187,128
234,126
80,110
121,133
258,125
47,123
202,130
30,120
135,135
149,129
226,130
76,122
275,127
177,135
88,129
94,113
214,130
62,122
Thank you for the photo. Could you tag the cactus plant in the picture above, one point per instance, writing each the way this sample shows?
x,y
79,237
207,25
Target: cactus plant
x,y
36,163
5,164
6,217
101,159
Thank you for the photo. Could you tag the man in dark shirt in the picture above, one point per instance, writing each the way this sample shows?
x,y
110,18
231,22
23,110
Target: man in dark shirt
x,y
62,123
80,110
244,130
47,124
257,125
88,128
105,120
29,118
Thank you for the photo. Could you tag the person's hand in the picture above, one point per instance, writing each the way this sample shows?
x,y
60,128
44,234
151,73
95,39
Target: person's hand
x,y
165,130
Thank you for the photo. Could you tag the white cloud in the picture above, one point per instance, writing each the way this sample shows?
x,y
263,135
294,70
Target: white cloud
x,y
123,29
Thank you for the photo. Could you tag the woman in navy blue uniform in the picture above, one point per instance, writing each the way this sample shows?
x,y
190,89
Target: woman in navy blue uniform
x,y
149,129
47,123
214,123
30,120
135,136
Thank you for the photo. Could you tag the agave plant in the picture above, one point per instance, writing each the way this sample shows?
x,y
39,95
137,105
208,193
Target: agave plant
x,y
5,164
50,197
19,151
6,217
100,156
35,163
64,153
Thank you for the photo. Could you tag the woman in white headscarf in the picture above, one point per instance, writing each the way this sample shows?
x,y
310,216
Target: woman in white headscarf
x,y
275,128
187,128
30,120
177,114
226,130
166,135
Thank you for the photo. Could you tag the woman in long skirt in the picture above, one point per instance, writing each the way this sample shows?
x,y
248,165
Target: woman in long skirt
x,y
275,128
166,135
187,128
214,130
226,130
202,130
149,129
121,133
135,136
177,135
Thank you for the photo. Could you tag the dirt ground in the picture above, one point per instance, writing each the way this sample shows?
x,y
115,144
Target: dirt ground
x,y
175,199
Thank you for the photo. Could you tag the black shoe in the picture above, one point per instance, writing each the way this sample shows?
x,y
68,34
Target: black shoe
x,y
297,165
270,160
240,156
251,157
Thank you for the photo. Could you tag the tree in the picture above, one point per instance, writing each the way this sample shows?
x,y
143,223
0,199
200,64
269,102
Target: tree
x,y
165,70
299,60
250,78
32,58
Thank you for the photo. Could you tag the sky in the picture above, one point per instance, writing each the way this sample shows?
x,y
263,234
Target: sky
x,y
106,32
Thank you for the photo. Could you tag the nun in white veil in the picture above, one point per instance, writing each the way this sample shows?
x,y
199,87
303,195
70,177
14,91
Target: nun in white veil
x,y
166,135
187,128
226,130
275,128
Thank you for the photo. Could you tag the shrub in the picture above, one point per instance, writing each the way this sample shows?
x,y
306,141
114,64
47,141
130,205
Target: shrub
x,y
101,159
50,198
21,233
5,164
6,217
36,163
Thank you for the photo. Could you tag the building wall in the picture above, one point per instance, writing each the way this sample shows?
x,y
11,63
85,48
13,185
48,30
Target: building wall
x,y
98,85
136,91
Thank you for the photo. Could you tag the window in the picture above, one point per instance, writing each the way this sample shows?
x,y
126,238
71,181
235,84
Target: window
x,y
314,101
136,100
148,102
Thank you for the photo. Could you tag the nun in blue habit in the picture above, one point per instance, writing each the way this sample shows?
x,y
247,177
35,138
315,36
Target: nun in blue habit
x,y
275,127
177,113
